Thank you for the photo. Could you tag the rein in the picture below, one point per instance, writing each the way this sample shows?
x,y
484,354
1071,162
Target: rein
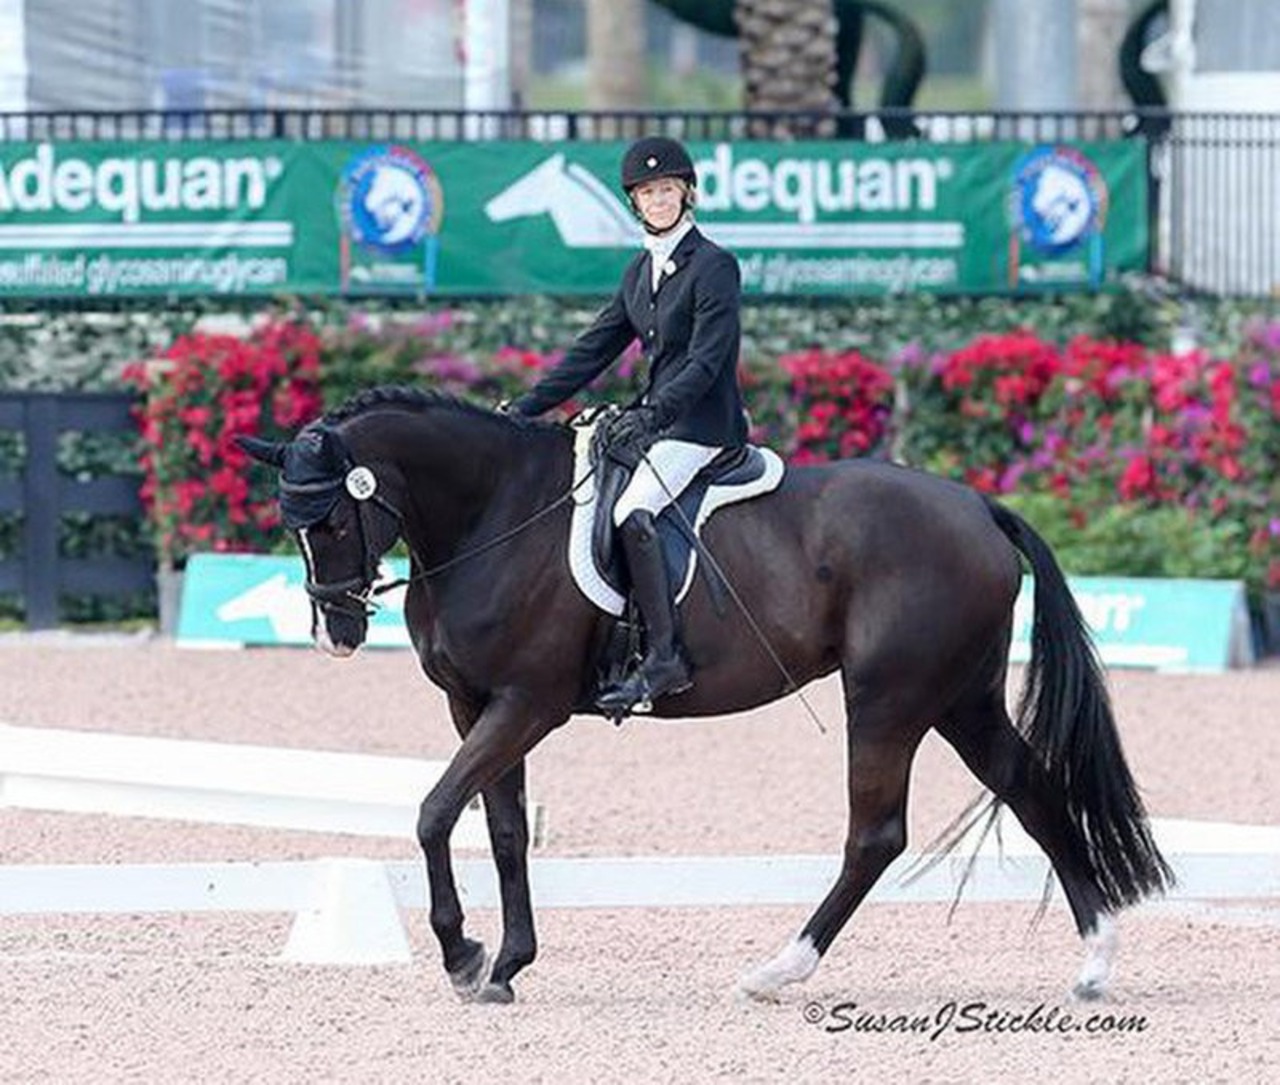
x,y
484,548
357,594
588,416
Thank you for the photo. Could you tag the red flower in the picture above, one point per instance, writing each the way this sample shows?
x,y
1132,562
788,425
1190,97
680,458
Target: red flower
x,y
1138,478
201,393
843,401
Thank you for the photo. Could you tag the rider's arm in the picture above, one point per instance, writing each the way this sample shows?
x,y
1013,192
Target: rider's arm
x,y
591,353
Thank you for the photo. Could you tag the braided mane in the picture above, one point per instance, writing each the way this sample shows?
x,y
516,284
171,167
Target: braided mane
x,y
401,395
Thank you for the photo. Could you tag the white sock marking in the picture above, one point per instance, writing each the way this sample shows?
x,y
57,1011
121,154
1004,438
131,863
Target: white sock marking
x,y
795,963
1100,952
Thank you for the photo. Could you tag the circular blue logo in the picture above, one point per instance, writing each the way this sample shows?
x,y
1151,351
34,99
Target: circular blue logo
x,y
1059,198
390,199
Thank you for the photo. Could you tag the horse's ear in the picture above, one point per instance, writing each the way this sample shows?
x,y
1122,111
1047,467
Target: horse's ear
x,y
271,452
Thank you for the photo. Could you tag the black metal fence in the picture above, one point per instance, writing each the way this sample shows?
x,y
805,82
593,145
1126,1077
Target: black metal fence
x,y
550,125
1212,182
42,494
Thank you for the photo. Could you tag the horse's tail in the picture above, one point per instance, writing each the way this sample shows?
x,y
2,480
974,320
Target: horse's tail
x,y
1065,715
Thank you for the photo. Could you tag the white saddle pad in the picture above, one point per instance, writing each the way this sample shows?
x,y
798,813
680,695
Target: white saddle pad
x,y
589,579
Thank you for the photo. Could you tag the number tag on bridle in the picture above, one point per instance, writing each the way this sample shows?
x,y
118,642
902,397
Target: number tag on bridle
x,y
361,483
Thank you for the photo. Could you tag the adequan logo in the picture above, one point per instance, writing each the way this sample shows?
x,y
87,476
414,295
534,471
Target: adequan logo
x,y
583,209
774,206
390,205
1060,198
1057,208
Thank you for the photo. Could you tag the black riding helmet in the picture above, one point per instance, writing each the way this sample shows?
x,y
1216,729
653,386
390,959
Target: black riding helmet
x,y
652,157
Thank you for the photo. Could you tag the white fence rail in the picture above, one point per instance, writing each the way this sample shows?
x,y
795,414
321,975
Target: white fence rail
x,y
45,768
348,911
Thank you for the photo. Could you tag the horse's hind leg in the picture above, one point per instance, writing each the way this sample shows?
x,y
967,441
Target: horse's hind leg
x,y
882,743
988,743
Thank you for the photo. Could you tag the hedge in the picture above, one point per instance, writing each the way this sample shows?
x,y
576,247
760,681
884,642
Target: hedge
x,y
1131,458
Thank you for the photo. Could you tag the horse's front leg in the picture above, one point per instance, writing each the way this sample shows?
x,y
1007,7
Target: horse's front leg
x,y
506,812
503,733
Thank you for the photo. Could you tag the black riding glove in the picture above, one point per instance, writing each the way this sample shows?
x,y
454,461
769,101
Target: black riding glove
x,y
522,406
634,428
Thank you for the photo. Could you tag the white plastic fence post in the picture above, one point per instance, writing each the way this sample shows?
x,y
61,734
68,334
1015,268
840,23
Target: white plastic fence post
x,y
357,920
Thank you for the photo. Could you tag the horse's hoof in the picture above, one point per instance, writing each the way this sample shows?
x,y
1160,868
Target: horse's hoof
x,y
746,993
496,994
468,979
795,963
1100,942
757,985
1089,990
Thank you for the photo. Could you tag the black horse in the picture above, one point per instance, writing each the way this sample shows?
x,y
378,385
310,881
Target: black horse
x,y
902,581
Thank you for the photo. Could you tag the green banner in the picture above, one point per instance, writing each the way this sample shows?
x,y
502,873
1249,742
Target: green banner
x,y
831,218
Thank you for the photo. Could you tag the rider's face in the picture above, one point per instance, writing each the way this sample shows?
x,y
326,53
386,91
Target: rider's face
x,y
660,202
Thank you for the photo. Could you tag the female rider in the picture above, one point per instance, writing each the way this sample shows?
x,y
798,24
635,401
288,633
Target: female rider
x,y
681,297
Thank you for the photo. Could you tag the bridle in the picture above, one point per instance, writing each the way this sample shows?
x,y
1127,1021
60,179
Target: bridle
x,y
356,595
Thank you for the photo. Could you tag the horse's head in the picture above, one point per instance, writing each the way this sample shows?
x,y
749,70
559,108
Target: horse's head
x,y
344,520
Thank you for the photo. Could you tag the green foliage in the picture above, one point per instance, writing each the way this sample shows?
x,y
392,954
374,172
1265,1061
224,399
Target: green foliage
x,y
1128,539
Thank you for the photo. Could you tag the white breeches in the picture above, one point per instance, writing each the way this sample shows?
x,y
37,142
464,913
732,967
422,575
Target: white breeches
x,y
675,464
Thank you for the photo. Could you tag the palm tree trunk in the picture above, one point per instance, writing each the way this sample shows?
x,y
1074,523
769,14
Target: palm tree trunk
x,y
616,77
788,55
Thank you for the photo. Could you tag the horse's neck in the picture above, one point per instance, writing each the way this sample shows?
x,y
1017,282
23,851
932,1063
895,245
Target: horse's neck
x,y
465,474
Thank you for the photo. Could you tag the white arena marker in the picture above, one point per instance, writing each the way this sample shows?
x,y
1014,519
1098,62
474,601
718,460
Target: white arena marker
x,y
357,921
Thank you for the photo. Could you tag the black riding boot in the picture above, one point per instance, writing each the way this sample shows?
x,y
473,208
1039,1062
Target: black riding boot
x,y
664,669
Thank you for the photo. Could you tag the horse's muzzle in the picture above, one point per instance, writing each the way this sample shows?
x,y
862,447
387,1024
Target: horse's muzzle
x,y
339,628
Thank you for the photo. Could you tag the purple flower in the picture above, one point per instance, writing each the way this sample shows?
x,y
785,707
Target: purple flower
x,y
1054,440
1260,375
1008,481
434,323
1267,335
1196,413
1273,528
912,356
448,367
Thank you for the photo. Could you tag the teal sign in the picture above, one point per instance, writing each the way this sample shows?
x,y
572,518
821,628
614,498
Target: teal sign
x,y
101,219
1176,625
251,599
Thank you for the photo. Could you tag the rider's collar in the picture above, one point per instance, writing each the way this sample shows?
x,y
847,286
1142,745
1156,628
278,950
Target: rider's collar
x,y
661,246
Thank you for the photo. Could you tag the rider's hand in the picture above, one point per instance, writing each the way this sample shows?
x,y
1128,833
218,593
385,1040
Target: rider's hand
x,y
635,426
518,407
